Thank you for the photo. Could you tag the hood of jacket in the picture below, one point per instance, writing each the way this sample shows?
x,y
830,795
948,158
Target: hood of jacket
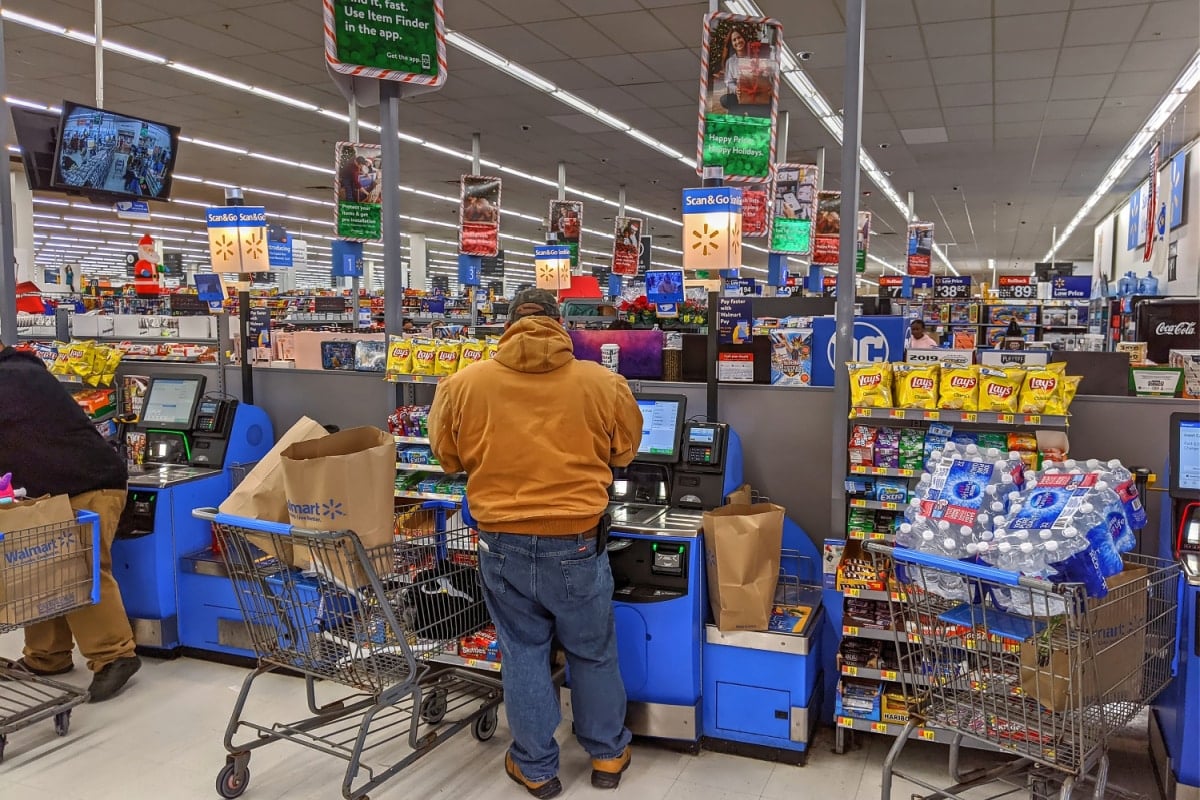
x,y
536,344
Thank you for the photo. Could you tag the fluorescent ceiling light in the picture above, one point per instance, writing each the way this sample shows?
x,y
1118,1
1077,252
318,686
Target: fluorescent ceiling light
x,y
1136,147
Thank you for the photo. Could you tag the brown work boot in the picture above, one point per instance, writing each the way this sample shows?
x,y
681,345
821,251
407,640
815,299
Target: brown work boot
x,y
606,773
112,678
543,791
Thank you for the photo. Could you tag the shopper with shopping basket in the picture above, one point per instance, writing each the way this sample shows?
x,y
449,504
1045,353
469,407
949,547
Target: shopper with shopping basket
x,y
537,433
51,447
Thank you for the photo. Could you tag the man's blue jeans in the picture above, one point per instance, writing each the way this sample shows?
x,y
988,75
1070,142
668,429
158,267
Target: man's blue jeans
x,y
538,589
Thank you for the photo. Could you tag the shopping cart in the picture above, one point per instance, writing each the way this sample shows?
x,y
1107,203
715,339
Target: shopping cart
x,y
44,573
1048,685
383,624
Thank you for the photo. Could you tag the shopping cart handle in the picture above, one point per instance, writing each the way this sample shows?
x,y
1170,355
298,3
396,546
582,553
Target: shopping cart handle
x,y
967,569
256,525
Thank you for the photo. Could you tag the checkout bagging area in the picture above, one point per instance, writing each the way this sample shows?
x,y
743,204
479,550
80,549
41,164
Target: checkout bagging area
x,y
688,682
162,556
1175,718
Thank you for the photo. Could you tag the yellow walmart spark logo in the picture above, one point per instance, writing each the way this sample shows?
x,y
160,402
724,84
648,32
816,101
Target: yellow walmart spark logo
x,y
706,240
224,248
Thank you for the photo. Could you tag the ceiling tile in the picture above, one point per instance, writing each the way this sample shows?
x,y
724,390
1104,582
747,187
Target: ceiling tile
x,y
1025,64
1170,54
1104,25
1067,127
1080,87
637,32
911,99
1089,60
962,69
940,11
828,49
966,37
891,15
528,10
968,115
574,36
674,65
1142,83
901,74
1029,32
969,133
1179,19
1072,109
1028,91
660,94
585,8
917,119
1020,112
965,94
891,44
1015,7
622,69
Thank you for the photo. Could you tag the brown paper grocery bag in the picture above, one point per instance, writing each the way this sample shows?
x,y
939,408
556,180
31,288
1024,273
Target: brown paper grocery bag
x,y
44,567
742,547
261,495
344,481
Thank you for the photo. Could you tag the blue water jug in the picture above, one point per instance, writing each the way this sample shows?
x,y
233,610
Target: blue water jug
x,y
1126,285
1148,284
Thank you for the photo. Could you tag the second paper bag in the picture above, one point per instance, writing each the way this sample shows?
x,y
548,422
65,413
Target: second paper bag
x,y
742,546
344,481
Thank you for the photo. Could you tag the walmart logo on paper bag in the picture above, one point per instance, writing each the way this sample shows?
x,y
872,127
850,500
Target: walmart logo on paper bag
x,y
315,512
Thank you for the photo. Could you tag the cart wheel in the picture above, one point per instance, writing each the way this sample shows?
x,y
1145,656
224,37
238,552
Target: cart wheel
x,y
231,783
433,707
485,725
62,722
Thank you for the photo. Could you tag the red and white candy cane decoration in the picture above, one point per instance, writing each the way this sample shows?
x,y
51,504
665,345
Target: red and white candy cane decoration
x,y
705,87
428,81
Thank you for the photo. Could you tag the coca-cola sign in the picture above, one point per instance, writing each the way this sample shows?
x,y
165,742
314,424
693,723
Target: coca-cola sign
x,y
1186,328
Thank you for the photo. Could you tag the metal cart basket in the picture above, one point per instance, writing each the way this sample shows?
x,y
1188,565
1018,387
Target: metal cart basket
x,y
1049,679
44,573
382,624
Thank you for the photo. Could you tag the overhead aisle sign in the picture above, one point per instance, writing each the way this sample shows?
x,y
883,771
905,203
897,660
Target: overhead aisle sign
x,y
395,40
237,239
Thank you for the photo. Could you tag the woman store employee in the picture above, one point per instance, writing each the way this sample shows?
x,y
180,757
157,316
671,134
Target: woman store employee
x,y
51,447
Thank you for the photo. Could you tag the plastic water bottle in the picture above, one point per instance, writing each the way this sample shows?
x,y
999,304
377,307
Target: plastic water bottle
x,y
1127,490
1118,522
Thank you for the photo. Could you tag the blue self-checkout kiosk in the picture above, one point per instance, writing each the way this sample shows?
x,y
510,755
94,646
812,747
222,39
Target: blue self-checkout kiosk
x,y
660,598
191,440
1175,721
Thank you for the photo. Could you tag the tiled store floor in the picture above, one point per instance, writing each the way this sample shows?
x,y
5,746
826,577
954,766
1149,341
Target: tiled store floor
x,y
163,739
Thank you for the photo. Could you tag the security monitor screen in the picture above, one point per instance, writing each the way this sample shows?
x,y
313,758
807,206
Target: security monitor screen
x,y
113,154
662,424
171,402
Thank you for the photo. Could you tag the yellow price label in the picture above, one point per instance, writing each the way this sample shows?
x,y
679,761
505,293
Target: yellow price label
x,y
858,469
853,592
860,412
926,734
890,506
849,630
879,727
915,638
906,473
1033,419
850,671
1006,419
878,536
899,597
858,503
932,415
845,722
969,416
896,413
890,675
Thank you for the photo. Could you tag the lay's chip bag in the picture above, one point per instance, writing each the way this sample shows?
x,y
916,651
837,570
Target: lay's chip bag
x,y
959,389
1000,389
448,353
400,356
472,351
424,357
916,385
1061,403
870,384
493,345
1040,387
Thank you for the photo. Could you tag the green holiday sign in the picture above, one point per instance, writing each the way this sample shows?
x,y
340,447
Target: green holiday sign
x,y
402,40
740,145
791,235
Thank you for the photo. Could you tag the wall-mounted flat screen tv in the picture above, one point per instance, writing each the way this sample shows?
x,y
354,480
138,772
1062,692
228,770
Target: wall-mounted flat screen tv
x,y
104,153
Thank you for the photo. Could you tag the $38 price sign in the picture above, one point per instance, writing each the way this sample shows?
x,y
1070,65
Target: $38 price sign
x,y
952,287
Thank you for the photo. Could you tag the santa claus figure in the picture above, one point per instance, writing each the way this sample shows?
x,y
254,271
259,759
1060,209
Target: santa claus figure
x,y
147,274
